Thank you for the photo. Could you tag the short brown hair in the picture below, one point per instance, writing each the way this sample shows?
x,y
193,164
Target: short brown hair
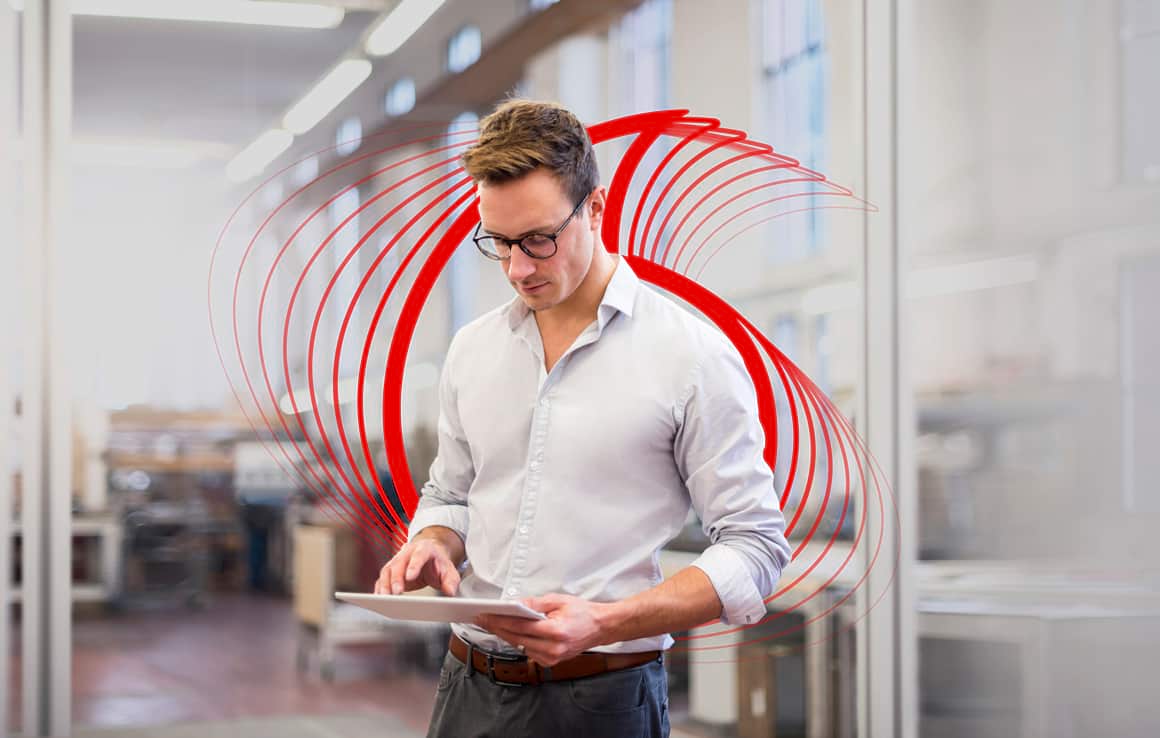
x,y
523,135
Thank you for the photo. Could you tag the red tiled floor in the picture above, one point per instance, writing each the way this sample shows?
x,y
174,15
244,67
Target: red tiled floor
x,y
234,659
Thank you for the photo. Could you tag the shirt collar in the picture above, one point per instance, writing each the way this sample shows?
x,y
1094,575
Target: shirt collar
x,y
619,296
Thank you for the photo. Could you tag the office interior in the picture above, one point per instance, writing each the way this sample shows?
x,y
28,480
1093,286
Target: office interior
x,y
988,327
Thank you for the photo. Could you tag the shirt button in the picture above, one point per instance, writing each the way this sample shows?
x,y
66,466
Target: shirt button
x,y
512,591
523,529
544,402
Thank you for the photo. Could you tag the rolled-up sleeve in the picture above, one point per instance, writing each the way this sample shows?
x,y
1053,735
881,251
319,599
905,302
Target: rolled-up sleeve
x,y
719,450
443,500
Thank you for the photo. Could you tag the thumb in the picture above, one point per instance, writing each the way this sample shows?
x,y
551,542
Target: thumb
x,y
547,603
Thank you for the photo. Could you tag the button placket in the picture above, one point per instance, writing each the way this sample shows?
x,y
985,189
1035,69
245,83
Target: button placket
x,y
518,569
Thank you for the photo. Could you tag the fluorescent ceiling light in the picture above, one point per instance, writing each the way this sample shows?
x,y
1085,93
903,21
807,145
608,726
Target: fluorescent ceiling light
x,y
326,95
257,156
249,12
393,30
139,153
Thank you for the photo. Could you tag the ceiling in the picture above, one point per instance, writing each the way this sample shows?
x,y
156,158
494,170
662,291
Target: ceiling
x,y
200,81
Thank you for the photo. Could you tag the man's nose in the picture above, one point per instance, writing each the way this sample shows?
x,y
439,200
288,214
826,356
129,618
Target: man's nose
x,y
521,265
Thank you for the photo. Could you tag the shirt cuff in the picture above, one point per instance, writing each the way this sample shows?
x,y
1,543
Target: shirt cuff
x,y
454,517
741,602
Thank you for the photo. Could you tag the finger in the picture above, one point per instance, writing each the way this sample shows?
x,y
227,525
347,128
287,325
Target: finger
x,y
398,573
449,581
523,627
419,559
383,584
527,641
541,651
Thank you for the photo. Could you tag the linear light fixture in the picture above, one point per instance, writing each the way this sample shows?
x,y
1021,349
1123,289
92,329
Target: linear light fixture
x,y
325,96
251,160
248,12
950,279
971,276
394,28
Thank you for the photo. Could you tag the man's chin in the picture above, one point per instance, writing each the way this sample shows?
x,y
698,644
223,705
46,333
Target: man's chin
x,y
534,303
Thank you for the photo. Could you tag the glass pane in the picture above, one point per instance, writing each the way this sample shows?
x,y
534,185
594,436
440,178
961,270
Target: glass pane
x,y
11,366
1031,245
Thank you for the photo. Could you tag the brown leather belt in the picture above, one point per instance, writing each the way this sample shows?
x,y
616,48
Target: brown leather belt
x,y
520,670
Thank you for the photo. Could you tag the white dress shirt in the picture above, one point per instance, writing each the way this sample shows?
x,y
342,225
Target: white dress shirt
x,y
572,480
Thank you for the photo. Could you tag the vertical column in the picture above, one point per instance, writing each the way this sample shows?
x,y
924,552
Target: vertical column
x,y
46,505
8,103
713,686
887,645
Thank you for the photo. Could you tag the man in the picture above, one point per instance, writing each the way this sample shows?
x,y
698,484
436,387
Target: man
x,y
577,425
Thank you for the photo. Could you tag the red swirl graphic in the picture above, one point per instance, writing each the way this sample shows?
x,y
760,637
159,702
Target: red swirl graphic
x,y
289,322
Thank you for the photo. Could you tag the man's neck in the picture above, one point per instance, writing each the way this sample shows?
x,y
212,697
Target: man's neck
x,y
581,308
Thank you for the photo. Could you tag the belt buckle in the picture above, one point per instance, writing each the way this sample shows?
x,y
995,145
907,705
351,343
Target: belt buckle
x,y
492,658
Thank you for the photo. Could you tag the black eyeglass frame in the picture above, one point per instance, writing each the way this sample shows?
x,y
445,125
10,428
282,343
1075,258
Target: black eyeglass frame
x,y
512,242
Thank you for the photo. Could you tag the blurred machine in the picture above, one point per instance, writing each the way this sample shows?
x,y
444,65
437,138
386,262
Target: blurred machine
x,y
264,488
170,490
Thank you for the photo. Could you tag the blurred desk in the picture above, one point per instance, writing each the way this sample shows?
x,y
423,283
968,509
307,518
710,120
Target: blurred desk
x,y
108,531
1032,652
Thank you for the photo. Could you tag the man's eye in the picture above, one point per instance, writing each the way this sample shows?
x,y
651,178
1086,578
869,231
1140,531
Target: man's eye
x,y
537,241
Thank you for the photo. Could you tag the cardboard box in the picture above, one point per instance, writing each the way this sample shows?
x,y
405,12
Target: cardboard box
x,y
325,561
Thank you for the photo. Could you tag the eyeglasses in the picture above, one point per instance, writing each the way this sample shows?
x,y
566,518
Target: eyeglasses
x,y
535,245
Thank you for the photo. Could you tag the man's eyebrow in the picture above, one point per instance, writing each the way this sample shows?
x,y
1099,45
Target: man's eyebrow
x,y
541,230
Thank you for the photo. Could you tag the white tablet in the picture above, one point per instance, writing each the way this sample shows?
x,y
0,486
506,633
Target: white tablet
x,y
438,609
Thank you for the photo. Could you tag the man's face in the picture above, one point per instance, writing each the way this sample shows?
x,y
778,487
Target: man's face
x,y
536,203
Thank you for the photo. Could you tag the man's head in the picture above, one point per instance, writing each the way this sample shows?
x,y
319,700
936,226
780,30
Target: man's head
x,y
534,165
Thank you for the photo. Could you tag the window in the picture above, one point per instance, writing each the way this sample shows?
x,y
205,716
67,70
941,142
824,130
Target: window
x,y
1139,104
348,137
305,171
463,49
400,98
643,46
823,352
794,92
463,269
534,5
641,54
344,240
785,335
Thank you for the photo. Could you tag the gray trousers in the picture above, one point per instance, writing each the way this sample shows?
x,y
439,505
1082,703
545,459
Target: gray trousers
x,y
631,703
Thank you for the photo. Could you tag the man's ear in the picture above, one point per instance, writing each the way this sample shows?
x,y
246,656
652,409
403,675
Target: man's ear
x,y
596,209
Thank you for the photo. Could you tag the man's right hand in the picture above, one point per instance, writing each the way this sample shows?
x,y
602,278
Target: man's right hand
x,y
428,560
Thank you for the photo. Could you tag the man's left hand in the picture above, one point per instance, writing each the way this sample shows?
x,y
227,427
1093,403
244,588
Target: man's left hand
x,y
573,625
